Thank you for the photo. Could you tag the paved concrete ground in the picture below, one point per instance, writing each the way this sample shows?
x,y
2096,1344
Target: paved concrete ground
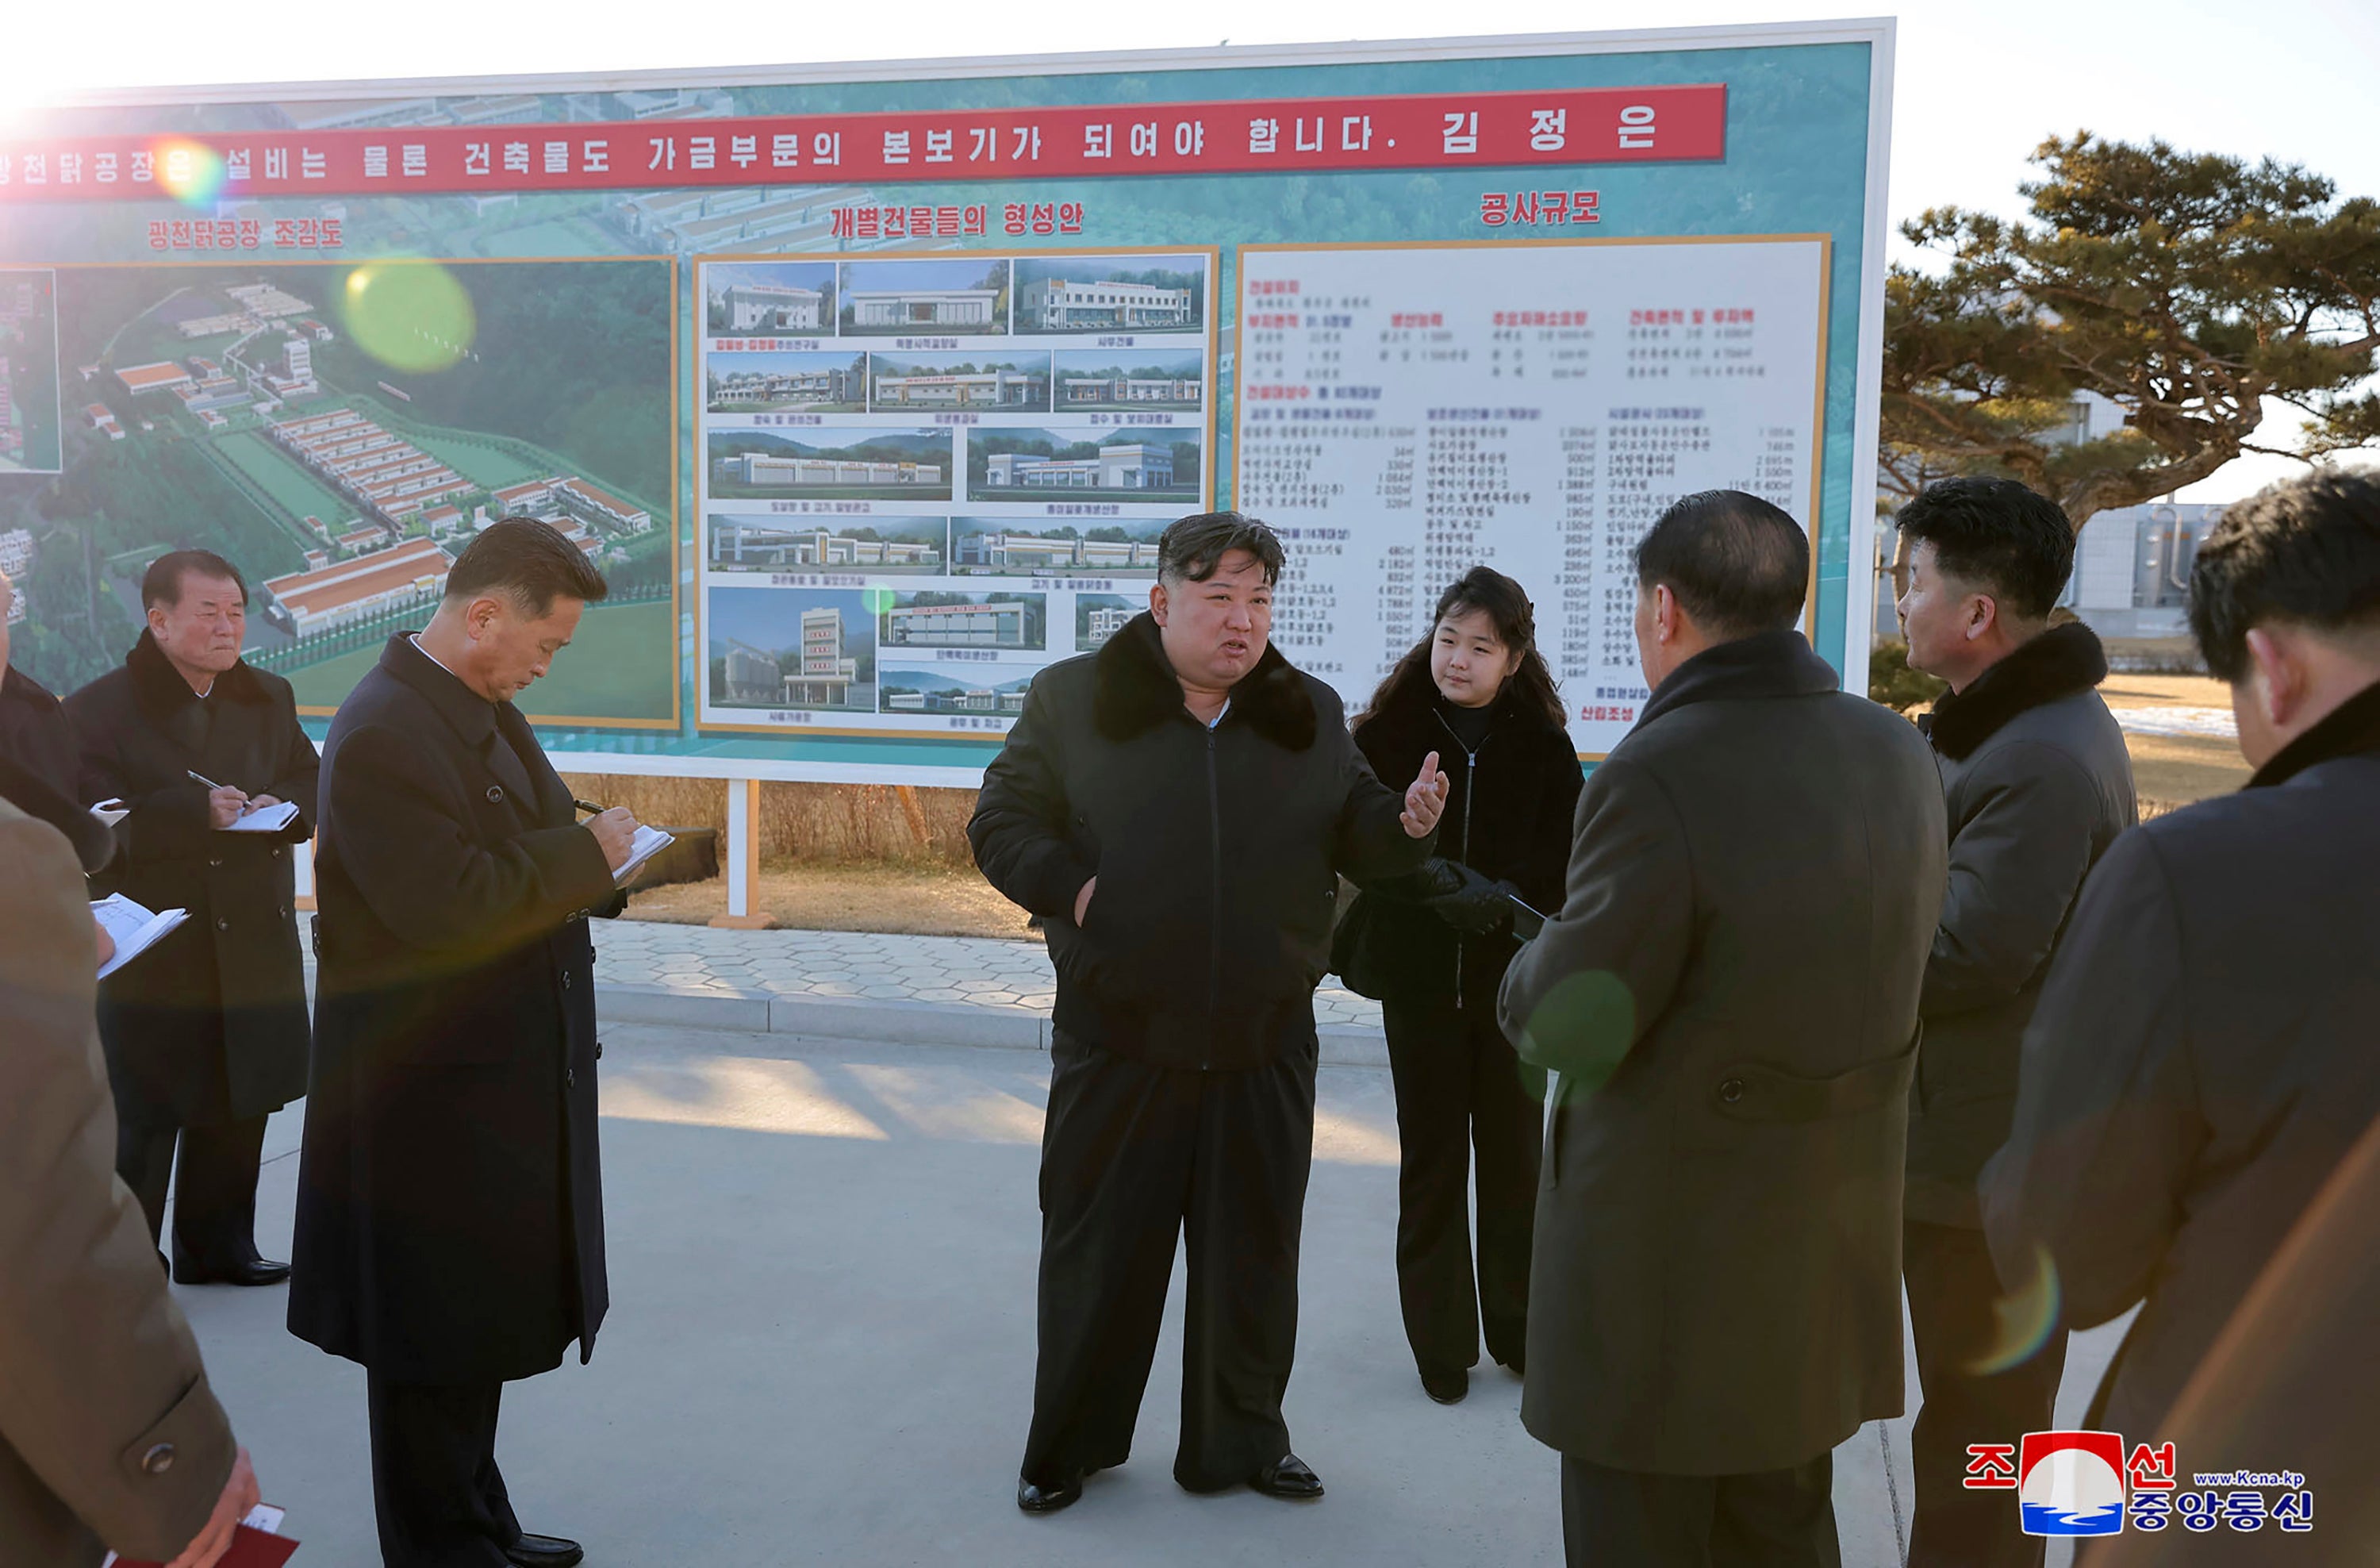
x,y
821,1336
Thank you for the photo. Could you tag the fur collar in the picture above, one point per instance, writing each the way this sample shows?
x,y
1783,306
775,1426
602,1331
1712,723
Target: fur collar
x,y
163,690
1136,690
2059,663
2349,730
1765,664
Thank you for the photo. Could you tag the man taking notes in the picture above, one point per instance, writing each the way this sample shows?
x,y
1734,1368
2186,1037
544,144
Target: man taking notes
x,y
449,1214
1729,994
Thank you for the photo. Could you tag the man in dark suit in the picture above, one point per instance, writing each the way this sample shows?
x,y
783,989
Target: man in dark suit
x,y
1176,808
2038,785
207,1034
450,1210
1729,994
2201,1061
39,767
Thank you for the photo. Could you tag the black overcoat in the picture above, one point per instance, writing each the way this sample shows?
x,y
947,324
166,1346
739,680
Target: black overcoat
x,y
211,1023
1217,850
2038,785
2199,1065
1730,993
1509,806
450,1207
40,770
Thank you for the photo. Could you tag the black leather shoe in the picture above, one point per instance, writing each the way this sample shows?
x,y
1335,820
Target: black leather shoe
x,y
544,1551
1287,1476
1447,1388
249,1270
1036,1499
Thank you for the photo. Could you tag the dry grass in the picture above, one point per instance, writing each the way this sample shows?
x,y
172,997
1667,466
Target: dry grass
x,y
2124,689
806,825
2171,771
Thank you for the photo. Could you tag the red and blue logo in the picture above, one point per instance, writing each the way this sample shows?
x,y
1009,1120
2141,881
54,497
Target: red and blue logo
x,y
2071,1483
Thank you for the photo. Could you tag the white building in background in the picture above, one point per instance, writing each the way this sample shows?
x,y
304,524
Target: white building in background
x,y
1163,390
1040,551
758,468
924,308
983,389
16,562
331,596
1125,466
1104,622
757,540
772,307
2132,568
955,626
826,674
1064,305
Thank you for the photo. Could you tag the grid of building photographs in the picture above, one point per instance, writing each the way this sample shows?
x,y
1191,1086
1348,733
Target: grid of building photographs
x,y
924,478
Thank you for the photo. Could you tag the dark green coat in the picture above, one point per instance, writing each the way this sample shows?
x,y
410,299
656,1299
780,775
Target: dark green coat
x,y
2038,786
1730,993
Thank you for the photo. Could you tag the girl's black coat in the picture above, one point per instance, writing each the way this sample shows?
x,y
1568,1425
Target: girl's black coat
x,y
1508,817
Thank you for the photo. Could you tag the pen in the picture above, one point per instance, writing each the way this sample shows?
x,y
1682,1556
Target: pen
x,y
589,806
197,777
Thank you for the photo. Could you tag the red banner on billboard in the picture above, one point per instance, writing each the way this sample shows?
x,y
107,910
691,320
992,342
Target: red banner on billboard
x,y
1421,131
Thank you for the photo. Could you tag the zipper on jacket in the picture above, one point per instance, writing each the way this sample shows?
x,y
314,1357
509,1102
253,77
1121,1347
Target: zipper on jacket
x,y
1470,789
1215,911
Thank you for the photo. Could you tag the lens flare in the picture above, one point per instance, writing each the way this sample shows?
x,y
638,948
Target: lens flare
x,y
877,601
2022,1320
412,316
191,171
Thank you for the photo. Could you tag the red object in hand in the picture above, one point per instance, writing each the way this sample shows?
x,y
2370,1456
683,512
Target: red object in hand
x,y
250,1548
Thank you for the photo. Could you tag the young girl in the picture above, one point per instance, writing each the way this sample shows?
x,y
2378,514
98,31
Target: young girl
x,y
1476,691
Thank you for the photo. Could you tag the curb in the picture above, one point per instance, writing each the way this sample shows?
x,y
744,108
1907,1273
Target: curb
x,y
903,1022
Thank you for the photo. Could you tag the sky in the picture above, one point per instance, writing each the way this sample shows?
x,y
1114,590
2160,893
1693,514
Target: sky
x,y
1976,87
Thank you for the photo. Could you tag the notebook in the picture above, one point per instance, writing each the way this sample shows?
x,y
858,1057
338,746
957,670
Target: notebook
x,y
134,927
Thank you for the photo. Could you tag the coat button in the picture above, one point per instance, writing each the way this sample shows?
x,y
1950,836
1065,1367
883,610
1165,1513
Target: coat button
x,y
495,793
214,859
1730,1090
222,924
276,852
598,1050
159,1459
570,1077
285,911
565,979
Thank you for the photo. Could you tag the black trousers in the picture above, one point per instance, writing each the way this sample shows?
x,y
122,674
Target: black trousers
x,y
1952,1286
1132,1157
436,1491
1460,1089
214,1190
1771,1519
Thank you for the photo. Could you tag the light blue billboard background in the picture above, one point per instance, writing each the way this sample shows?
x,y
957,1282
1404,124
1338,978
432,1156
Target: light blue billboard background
x,y
1798,135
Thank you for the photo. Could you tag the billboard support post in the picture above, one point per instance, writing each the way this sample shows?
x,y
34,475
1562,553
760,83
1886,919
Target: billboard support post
x,y
741,854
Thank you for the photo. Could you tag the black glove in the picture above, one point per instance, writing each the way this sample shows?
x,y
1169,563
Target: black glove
x,y
1480,906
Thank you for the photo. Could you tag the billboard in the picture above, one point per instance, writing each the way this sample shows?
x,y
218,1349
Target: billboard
x,y
871,387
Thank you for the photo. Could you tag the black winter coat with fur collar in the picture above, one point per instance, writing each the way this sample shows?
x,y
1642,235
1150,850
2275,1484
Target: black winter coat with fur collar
x,y
1217,850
